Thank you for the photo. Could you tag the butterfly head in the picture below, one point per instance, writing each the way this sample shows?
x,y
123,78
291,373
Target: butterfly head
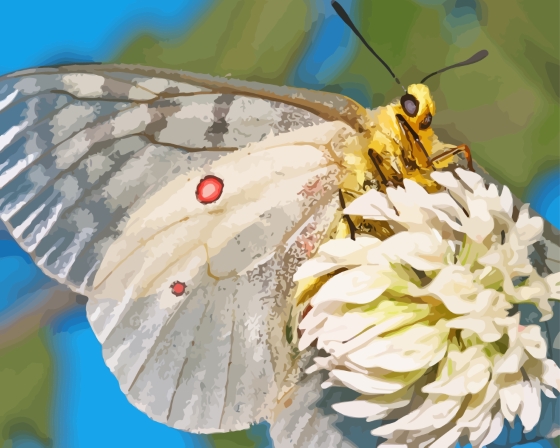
x,y
418,106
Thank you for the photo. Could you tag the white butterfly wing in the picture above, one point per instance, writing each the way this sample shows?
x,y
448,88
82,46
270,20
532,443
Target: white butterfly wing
x,y
98,178
236,257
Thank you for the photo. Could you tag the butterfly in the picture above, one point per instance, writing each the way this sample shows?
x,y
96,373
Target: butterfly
x,y
182,204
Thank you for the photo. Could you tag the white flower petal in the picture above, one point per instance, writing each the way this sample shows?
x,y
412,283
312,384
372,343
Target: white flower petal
x,y
365,384
483,326
511,323
314,321
406,201
506,200
360,285
531,406
392,444
340,329
340,336
487,431
529,229
512,361
419,211
553,282
422,251
434,413
316,267
536,291
412,348
327,362
510,400
318,315
455,287
473,180
362,409
343,248
547,391
479,405
449,439
533,341
480,222
445,179
551,374
495,430
335,254
479,433
396,400
463,373
372,204
491,258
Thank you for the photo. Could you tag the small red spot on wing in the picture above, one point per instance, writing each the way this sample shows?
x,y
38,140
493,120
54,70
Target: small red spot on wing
x,y
209,189
178,288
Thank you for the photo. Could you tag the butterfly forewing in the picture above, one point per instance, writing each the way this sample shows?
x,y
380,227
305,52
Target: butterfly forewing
x,y
101,173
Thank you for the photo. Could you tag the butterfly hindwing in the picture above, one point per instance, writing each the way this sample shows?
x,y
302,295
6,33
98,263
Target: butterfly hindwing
x,y
99,175
236,258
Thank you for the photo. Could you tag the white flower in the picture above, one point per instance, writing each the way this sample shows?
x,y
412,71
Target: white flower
x,y
419,323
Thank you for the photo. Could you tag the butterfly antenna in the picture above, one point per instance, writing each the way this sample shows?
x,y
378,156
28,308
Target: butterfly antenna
x,y
346,19
473,59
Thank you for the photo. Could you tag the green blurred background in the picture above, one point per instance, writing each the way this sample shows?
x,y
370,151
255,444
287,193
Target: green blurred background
x,y
54,389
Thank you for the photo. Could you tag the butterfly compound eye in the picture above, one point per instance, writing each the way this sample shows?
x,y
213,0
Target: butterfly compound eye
x,y
410,105
209,189
426,122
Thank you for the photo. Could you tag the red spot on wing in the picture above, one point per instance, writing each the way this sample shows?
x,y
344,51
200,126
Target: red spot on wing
x,y
209,189
178,288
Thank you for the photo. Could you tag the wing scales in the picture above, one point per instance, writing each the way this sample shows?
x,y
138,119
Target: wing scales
x,y
147,83
99,173
175,392
254,294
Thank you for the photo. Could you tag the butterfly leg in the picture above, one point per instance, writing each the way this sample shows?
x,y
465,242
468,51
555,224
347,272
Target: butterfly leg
x,y
408,131
452,151
351,226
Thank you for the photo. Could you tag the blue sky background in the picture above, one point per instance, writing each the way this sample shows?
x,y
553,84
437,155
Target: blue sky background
x,y
88,409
